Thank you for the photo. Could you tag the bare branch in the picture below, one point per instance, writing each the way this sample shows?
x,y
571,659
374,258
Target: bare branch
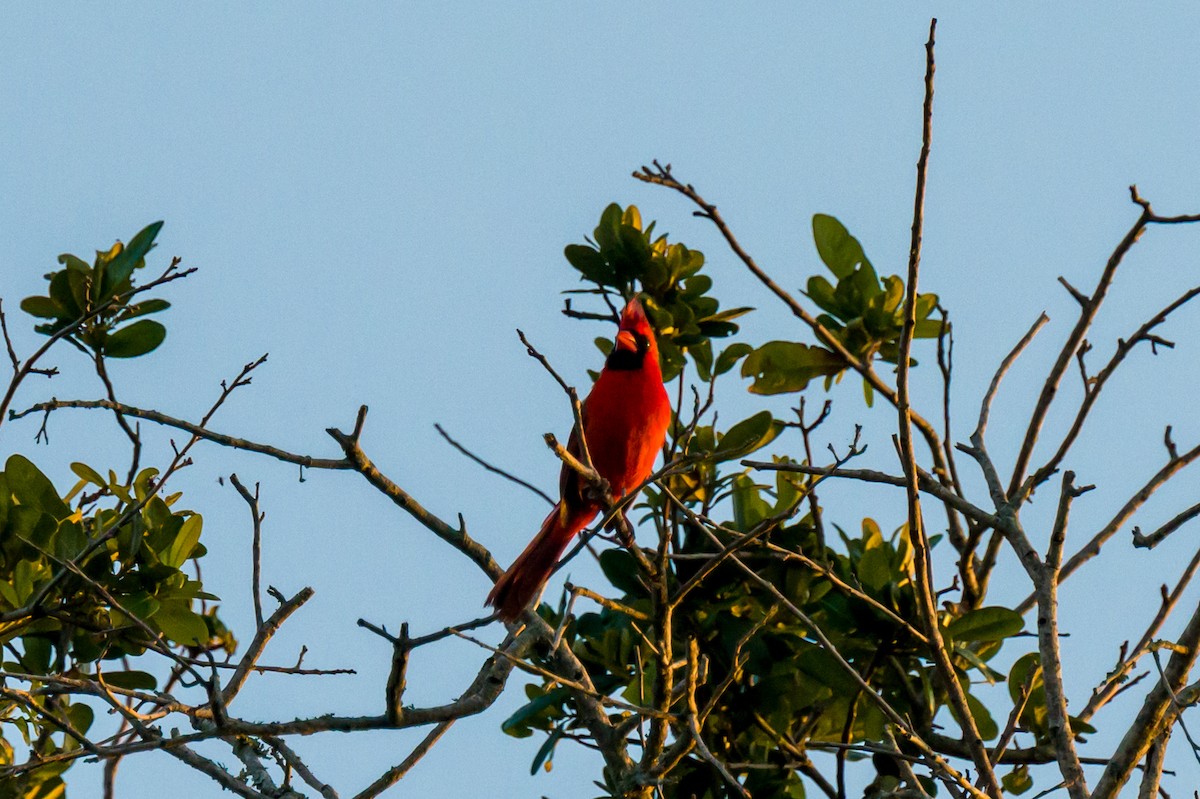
x,y
458,539
576,406
1152,770
1092,547
1045,581
1094,385
1156,538
294,761
1089,306
394,693
923,566
1154,716
397,772
694,724
985,407
490,467
256,547
925,482
1116,679
200,431
266,631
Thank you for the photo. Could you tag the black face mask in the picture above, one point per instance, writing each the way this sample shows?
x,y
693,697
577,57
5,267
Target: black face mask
x,y
625,360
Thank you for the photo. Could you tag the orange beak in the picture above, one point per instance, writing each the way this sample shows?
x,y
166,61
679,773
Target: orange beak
x,y
626,341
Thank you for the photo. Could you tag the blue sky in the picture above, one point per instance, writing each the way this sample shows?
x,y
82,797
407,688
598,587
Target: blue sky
x,y
377,194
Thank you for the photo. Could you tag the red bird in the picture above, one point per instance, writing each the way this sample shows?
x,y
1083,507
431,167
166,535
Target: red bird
x,y
625,420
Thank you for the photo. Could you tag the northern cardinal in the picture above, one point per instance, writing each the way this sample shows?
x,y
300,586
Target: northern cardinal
x,y
625,420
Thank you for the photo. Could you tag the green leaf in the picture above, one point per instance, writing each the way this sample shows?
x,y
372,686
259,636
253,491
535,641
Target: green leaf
x,y
141,604
875,568
729,315
621,570
517,725
42,307
143,308
118,270
927,328
730,356
180,548
747,436
70,540
986,624
60,293
840,251
1017,781
1019,673
821,291
36,657
79,283
590,263
749,508
697,285
32,488
781,367
983,718
971,656
545,753
131,680
134,340
702,357
81,716
9,595
32,525
74,262
86,472
49,786
180,624
608,232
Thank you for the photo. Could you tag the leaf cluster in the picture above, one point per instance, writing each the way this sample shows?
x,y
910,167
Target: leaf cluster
x,y
770,688
625,259
88,577
864,313
99,293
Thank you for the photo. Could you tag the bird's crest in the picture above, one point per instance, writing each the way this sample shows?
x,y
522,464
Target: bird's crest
x,y
633,317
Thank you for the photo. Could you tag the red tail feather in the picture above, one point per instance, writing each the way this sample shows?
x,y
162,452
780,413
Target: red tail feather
x,y
524,580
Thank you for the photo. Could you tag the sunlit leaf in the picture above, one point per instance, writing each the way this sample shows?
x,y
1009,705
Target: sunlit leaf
x,y
986,624
122,265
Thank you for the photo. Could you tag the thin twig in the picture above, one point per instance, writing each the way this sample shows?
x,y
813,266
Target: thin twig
x,y
1156,538
1088,308
1093,386
256,547
985,407
693,723
294,761
198,430
576,406
1112,685
923,564
490,467
459,539
397,772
